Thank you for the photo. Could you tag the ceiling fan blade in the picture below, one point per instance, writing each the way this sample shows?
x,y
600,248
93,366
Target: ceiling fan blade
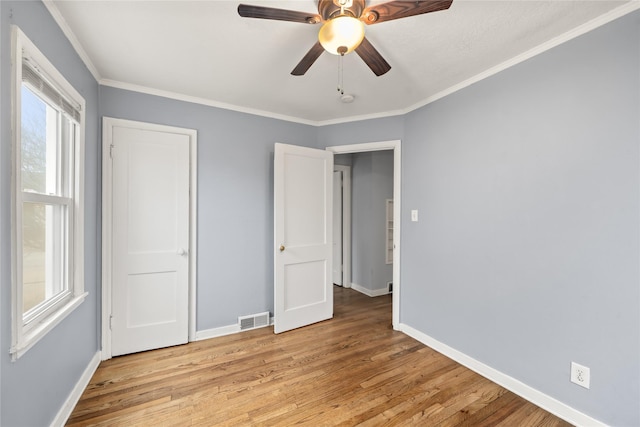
x,y
248,11
308,60
402,9
372,58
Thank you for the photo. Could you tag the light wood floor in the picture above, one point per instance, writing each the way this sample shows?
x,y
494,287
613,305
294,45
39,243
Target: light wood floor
x,y
352,370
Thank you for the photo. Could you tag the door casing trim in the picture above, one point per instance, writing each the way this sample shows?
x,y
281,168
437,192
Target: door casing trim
x,y
108,123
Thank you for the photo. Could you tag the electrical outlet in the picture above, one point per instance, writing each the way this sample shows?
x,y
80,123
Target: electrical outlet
x,y
580,375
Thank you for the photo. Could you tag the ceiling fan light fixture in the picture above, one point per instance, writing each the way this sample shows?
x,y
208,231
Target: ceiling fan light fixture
x,y
341,32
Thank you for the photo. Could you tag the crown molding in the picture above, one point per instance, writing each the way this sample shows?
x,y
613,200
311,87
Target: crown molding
x,y
62,23
351,119
202,101
599,21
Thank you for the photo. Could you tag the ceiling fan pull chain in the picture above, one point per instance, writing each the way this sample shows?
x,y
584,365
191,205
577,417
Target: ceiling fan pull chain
x,y
339,62
340,76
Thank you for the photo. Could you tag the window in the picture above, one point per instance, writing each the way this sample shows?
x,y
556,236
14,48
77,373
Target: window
x,y
47,216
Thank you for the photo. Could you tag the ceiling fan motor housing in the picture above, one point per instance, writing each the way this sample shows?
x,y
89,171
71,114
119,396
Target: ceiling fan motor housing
x,y
331,8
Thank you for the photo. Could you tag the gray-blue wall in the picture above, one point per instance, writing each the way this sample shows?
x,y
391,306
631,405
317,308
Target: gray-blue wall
x,y
371,185
530,233
375,130
235,197
526,255
35,387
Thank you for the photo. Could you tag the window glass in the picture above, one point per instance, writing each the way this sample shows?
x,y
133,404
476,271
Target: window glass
x,y
43,251
34,143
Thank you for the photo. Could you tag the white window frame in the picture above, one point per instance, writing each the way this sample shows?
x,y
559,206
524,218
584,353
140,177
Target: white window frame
x,y
25,334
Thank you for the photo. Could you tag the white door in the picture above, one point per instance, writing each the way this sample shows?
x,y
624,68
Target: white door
x,y
303,232
337,227
150,283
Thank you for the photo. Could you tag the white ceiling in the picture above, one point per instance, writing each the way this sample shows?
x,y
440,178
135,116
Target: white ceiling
x,y
205,52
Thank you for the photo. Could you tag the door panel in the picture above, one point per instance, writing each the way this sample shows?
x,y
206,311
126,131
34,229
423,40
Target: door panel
x,y
303,236
150,288
163,310
304,187
297,297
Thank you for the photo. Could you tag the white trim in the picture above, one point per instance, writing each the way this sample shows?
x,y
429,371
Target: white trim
x,y
217,332
193,238
35,334
370,292
77,46
565,37
107,205
74,397
222,331
394,145
23,337
203,101
253,111
372,116
346,223
529,393
107,232
16,220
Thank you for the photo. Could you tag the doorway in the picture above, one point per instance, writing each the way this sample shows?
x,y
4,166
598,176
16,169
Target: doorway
x,y
395,146
342,225
148,236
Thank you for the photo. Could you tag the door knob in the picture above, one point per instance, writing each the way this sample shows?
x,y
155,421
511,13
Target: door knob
x,y
282,248
182,252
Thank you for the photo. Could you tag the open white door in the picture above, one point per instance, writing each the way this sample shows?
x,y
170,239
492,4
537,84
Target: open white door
x,y
150,286
303,187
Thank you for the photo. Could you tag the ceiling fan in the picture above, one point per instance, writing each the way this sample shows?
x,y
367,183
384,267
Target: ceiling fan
x,y
343,26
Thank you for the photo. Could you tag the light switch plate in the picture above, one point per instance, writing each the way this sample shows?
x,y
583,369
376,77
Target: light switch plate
x,y
414,215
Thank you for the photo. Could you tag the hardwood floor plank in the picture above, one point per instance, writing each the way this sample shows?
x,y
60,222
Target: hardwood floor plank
x,y
351,370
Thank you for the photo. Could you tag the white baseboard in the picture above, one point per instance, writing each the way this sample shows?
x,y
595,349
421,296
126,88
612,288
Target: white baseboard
x,y
221,331
217,332
369,292
534,396
65,412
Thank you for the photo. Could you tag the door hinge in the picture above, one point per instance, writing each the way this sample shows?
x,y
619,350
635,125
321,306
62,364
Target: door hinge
x,y
111,151
111,322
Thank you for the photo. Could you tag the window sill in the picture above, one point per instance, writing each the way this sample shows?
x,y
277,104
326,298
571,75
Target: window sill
x,y
29,339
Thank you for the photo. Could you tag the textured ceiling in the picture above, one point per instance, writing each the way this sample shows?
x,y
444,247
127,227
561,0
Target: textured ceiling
x,y
204,51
